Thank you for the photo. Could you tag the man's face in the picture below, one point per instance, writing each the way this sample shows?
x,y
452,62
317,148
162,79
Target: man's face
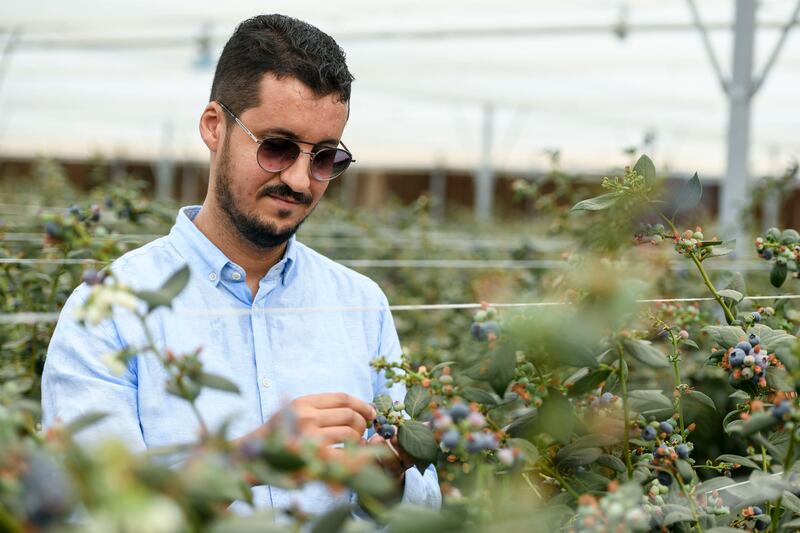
x,y
266,208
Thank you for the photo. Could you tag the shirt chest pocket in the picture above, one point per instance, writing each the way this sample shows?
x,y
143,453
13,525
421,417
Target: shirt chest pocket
x,y
318,352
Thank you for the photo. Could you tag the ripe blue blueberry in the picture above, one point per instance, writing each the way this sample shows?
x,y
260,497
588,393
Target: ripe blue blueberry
x,y
665,478
682,450
380,420
756,316
606,398
474,443
736,358
477,332
757,511
53,230
459,412
665,427
387,431
649,433
754,340
768,254
744,346
451,438
780,410
491,327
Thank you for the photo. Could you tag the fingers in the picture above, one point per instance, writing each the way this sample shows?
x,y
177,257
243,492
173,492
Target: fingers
x,y
342,416
336,434
333,400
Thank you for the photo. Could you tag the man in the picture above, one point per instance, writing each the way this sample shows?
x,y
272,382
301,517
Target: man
x,y
279,104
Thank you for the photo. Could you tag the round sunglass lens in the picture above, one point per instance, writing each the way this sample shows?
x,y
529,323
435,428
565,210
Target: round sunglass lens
x,y
330,162
277,154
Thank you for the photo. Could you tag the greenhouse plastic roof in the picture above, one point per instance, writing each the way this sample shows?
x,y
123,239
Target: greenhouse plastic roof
x,y
130,80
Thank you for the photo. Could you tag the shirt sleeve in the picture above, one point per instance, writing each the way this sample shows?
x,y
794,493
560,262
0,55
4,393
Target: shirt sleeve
x,y
419,489
77,379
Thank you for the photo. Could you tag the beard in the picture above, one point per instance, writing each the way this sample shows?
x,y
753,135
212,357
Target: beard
x,y
259,234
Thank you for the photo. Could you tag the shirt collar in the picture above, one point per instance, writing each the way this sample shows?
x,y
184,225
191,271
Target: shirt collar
x,y
208,260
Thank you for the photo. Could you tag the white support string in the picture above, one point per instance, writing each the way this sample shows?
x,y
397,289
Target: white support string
x,y
32,318
749,266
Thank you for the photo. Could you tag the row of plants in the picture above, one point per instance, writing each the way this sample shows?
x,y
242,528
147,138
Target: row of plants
x,y
595,409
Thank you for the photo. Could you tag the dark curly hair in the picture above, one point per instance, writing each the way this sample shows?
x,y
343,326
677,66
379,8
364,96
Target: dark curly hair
x,y
286,47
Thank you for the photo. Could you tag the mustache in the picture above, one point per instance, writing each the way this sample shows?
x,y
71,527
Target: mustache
x,y
283,191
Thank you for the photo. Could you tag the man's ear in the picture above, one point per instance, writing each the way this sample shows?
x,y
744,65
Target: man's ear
x,y
212,126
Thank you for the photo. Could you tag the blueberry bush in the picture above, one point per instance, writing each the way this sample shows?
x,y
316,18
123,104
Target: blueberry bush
x,y
642,385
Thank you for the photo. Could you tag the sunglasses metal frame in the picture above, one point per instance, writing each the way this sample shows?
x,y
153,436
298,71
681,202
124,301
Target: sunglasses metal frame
x,y
297,142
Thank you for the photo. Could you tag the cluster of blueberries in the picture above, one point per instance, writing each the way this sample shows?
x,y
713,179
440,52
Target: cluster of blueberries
x,y
747,361
670,449
484,327
383,427
475,440
618,510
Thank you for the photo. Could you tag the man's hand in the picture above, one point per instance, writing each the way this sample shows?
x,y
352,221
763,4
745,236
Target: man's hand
x,y
394,463
331,417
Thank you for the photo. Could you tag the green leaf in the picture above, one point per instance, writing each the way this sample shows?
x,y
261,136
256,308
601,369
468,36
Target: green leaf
x,y
757,422
484,397
556,416
612,462
333,521
791,502
168,291
778,378
531,452
598,203
773,339
418,441
416,400
646,169
405,518
501,369
371,480
778,274
524,426
690,343
645,353
719,250
83,422
383,403
725,336
682,515
214,381
699,401
689,195
739,460
588,382
650,402
685,470
731,294
568,456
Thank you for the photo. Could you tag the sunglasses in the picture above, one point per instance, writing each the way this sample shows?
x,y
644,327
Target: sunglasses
x,y
275,154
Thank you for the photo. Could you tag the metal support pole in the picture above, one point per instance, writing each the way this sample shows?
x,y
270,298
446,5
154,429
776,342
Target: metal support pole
x,y
437,186
734,187
484,176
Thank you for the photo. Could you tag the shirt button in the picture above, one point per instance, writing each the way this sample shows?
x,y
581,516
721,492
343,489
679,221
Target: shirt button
x,y
266,382
236,276
212,276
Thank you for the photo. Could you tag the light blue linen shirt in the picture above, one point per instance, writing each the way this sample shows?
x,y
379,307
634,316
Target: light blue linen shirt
x,y
273,357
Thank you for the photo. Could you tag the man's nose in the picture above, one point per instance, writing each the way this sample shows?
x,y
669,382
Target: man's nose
x,y
298,175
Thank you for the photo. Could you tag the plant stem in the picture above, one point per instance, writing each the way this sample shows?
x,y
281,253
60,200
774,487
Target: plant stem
x,y
728,314
692,505
677,375
554,473
623,377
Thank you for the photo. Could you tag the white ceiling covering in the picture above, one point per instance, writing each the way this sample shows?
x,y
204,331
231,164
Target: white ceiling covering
x,y
417,100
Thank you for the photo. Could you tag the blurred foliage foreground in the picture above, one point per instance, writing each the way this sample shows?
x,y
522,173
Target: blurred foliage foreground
x,y
596,410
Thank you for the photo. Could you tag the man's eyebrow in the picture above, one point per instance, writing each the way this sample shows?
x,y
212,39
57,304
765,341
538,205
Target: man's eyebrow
x,y
280,132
